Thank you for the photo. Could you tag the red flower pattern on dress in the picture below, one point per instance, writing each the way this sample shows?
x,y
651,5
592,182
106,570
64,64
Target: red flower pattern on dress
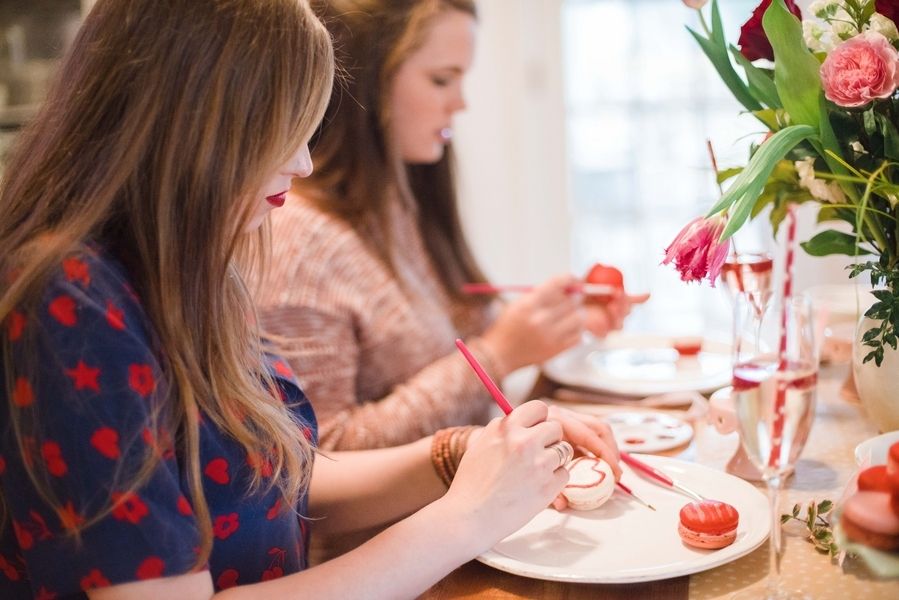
x,y
52,454
274,510
85,377
23,536
272,573
115,316
93,580
2,465
141,380
260,463
184,506
225,525
106,441
76,270
127,506
22,393
69,517
45,594
64,310
227,579
151,568
217,470
11,572
282,369
15,325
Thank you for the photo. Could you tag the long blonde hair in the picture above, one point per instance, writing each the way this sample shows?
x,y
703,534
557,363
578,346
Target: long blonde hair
x,y
165,120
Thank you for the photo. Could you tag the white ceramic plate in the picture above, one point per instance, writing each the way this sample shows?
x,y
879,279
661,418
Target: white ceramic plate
x,y
873,451
630,364
648,431
625,542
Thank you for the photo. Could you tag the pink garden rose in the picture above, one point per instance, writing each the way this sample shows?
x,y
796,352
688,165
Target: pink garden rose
x,y
697,251
861,69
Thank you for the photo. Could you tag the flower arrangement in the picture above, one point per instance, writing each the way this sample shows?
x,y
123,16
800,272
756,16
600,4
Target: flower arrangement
x,y
824,86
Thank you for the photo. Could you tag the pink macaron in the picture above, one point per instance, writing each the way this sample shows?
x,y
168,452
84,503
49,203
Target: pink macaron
x,y
709,524
867,518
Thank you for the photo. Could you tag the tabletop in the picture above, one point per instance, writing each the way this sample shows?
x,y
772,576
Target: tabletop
x,y
826,466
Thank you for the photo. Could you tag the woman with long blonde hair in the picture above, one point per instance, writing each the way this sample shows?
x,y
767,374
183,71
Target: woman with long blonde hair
x,y
150,447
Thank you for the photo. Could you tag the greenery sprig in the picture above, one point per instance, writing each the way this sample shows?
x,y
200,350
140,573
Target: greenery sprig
x,y
885,309
820,529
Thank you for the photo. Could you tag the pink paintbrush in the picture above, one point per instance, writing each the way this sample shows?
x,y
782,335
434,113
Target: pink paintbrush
x,y
659,476
504,405
589,289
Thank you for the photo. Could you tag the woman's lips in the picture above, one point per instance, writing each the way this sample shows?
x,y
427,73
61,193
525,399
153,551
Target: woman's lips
x,y
277,200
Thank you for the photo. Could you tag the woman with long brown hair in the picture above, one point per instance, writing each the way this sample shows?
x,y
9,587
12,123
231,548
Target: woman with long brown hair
x,y
370,257
150,447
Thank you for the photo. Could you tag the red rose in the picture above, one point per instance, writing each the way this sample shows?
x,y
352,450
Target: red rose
x,y
888,8
753,42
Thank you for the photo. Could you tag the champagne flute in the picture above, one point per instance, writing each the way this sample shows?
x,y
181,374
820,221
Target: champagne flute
x,y
749,273
774,384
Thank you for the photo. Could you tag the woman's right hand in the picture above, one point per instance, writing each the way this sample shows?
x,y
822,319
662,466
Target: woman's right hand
x,y
537,325
509,473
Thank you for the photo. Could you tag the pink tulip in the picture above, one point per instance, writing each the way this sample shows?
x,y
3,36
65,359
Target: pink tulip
x,y
860,69
697,251
697,4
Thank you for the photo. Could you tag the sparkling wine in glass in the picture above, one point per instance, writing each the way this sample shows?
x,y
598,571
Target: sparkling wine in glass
x,y
774,384
749,273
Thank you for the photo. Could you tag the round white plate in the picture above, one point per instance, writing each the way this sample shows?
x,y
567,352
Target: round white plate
x,y
630,364
622,541
873,451
648,431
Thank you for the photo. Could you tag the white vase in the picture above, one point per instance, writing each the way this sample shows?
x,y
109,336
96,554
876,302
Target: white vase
x,y
878,387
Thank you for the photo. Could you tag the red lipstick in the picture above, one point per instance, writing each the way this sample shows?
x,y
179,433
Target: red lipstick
x,y
277,200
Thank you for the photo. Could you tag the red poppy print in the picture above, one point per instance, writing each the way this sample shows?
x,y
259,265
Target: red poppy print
x,y
76,270
273,573
227,579
45,594
93,580
217,470
161,444
15,325
106,441
225,525
52,454
85,377
64,310
2,465
283,370
260,463
274,510
151,568
22,393
115,316
141,380
129,507
69,517
23,536
184,507
11,572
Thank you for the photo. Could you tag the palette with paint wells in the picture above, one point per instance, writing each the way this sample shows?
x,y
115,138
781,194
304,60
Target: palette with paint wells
x,y
648,431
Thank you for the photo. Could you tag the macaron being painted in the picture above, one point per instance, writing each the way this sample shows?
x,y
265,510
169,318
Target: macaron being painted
x,y
709,524
591,483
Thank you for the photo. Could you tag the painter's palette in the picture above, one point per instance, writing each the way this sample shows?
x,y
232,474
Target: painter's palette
x,y
648,431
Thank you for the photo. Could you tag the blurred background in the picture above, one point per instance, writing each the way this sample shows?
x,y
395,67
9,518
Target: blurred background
x,y
584,139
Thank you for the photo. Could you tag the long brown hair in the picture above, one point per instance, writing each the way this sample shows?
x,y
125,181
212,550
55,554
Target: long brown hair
x,y
165,120
356,169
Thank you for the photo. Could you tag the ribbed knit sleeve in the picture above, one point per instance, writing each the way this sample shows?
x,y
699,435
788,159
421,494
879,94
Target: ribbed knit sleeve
x,y
374,354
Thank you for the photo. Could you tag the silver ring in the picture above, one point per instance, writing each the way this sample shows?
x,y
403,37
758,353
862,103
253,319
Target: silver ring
x,y
564,450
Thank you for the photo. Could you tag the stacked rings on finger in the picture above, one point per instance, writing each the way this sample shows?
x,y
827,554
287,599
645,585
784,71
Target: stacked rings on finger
x,y
564,450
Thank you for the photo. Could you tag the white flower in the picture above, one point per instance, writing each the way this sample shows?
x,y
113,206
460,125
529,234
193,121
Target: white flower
x,y
857,147
822,8
812,33
824,191
884,26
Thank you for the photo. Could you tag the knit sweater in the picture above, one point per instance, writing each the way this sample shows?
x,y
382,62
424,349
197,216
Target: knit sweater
x,y
374,350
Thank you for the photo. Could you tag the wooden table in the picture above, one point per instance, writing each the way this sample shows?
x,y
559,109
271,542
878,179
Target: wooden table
x,y
824,469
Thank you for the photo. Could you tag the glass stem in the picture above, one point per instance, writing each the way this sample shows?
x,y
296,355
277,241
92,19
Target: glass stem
x,y
776,541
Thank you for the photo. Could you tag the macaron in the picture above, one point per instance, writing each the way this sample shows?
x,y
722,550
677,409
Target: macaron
x,y
893,458
868,519
591,483
874,479
709,524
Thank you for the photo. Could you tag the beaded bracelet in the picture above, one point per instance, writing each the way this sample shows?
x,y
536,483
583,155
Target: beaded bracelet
x,y
447,447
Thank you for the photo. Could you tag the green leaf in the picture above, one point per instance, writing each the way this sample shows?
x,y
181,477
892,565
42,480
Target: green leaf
x,y
825,506
725,174
796,69
760,83
749,184
795,510
830,242
717,55
784,518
